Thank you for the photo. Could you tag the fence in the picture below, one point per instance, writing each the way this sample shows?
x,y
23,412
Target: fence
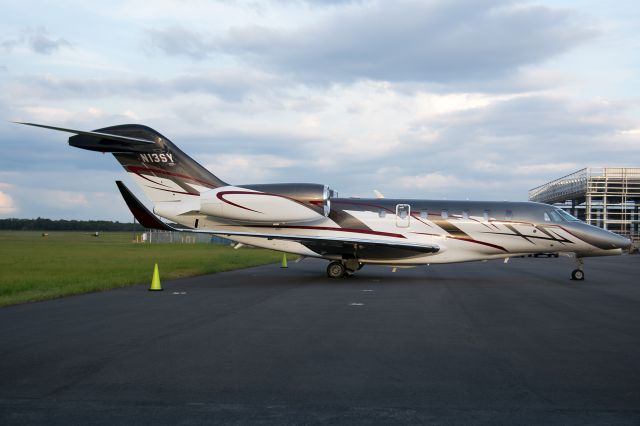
x,y
175,237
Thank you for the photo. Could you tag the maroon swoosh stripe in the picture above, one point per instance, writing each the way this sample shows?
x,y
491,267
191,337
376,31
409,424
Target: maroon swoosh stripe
x,y
221,195
140,169
481,242
467,240
151,180
417,217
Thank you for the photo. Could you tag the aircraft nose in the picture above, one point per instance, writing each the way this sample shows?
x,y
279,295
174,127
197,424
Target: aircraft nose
x,y
621,242
600,238
616,241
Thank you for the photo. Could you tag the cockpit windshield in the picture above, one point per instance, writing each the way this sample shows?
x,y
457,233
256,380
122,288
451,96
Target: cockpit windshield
x,y
566,216
559,215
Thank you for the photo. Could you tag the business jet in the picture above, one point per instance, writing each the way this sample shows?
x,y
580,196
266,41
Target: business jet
x,y
310,220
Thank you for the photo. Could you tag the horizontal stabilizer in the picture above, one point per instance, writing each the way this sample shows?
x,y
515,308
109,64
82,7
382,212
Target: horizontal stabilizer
x,y
99,141
140,212
87,133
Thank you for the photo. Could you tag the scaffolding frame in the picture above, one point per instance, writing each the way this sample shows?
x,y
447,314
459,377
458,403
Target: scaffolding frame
x,y
608,197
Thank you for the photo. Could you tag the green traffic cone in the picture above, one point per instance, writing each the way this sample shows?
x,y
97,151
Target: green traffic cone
x,y
284,260
155,281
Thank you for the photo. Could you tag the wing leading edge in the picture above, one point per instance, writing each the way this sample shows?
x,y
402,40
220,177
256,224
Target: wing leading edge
x,y
319,244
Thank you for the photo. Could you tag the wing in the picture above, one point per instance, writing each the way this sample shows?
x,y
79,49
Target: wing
x,y
323,245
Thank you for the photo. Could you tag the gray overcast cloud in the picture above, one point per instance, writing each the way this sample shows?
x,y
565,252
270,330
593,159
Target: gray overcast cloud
x,y
470,99
38,40
396,41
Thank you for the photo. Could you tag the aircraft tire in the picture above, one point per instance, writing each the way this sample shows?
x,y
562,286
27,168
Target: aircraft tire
x,y
577,275
336,269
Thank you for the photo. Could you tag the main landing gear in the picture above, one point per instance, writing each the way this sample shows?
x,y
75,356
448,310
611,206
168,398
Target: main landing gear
x,y
336,269
578,274
345,268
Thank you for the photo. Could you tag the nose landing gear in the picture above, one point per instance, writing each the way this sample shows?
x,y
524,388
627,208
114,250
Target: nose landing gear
x,y
578,274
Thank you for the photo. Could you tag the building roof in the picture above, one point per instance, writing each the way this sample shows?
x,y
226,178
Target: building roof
x,y
576,184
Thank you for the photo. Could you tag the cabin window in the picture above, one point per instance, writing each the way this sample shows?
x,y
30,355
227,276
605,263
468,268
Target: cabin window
x,y
465,214
382,213
485,215
546,217
424,214
444,214
508,214
402,210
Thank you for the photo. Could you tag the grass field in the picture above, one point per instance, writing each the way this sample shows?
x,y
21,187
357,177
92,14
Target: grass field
x,y
33,267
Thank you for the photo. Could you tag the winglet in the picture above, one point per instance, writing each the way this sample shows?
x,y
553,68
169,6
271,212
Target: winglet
x,y
140,212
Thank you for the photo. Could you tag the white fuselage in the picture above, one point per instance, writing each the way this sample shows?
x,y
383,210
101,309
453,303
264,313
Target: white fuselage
x,y
461,237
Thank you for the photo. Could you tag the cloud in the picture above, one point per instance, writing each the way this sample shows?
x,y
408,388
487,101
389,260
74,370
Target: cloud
x,y
532,170
176,40
342,135
7,205
66,200
520,142
76,194
417,99
439,42
546,168
37,40
230,85
433,181
245,169
326,2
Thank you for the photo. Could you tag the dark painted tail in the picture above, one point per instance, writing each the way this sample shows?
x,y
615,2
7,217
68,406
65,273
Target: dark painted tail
x,y
160,168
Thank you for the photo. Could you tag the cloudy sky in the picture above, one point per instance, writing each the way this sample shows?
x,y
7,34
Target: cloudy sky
x,y
469,99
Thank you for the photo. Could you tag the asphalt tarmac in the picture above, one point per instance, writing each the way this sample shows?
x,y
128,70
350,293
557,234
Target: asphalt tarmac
x,y
477,343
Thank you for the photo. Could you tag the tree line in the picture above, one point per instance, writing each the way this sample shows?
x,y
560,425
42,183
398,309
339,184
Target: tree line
x,y
42,224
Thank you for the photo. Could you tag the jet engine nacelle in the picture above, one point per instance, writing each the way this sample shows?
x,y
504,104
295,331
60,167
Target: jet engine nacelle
x,y
269,203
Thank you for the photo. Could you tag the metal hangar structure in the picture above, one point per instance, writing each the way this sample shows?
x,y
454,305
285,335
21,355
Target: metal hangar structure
x,y
608,197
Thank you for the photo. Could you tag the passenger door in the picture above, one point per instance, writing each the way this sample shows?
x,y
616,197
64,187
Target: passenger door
x,y
403,215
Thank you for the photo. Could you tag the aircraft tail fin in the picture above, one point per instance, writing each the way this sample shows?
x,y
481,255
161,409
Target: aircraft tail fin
x,y
140,212
160,168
